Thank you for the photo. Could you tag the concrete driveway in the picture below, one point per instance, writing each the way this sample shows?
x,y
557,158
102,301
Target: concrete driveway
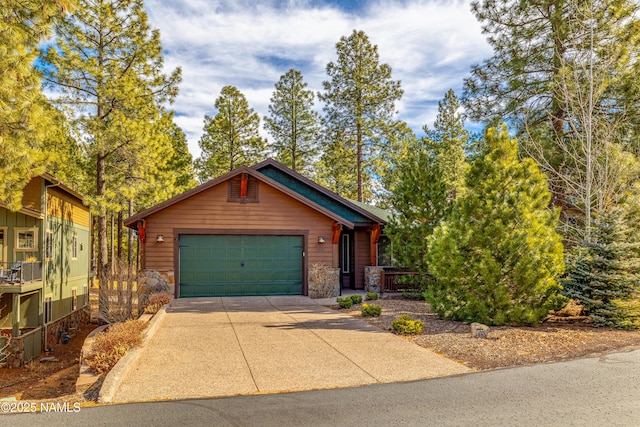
x,y
206,347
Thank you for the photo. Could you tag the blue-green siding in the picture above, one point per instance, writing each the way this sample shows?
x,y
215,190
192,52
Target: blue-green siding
x,y
313,194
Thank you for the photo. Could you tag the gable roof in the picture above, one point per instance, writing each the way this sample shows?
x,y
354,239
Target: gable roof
x,y
130,222
355,212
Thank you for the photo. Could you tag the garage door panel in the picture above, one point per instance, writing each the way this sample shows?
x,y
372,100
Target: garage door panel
x,y
218,265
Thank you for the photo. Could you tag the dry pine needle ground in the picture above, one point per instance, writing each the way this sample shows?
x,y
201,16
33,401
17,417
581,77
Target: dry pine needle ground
x,y
559,338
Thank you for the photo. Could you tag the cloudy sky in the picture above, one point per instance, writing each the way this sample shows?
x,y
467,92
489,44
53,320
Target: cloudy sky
x,y
249,44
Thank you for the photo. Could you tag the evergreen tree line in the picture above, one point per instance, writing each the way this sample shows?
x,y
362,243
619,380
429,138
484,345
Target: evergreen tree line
x,y
544,204
549,210
349,149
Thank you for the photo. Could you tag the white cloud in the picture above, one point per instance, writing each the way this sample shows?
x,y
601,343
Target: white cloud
x,y
429,44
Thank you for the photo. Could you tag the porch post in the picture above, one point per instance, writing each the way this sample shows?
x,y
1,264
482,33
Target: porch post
x,y
374,237
15,315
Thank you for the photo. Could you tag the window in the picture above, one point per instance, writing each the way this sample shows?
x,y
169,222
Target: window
x,y
345,253
26,239
48,245
243,188
48,305
385,251
74,299
74,247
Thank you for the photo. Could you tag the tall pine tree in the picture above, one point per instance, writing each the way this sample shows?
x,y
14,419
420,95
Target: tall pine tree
x,y
292,122
359,98
498,258
231,138
24,114
564,74
108,69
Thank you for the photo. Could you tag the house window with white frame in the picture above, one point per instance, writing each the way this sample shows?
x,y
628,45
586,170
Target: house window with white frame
x,y
48,245
74,299
26,239
74,247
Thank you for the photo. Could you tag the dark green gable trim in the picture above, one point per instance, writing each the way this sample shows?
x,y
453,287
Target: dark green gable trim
x,y
312,194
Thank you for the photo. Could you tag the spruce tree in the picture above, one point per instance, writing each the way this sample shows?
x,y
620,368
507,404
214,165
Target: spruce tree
x,y
231,138
293,124
498,258
360,98
604,273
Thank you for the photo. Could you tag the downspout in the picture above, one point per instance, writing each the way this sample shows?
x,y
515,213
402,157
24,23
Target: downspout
x,y
44,260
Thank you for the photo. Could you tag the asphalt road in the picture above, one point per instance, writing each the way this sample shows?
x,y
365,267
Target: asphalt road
x,y
603,391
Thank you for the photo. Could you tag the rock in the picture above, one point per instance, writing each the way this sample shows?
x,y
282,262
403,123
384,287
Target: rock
x,y
48,359
478,330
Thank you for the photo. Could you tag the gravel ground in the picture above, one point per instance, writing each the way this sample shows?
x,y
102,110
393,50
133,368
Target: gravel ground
x,y
562,337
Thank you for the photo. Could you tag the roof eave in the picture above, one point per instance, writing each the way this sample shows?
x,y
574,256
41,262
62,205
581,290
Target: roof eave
x,y
131,221
327,192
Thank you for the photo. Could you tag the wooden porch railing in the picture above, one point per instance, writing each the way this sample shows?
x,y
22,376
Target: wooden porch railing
x,y
389,281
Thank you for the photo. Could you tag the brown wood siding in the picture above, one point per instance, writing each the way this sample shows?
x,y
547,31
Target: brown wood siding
x,y
62,205
32,194
362,255
210,210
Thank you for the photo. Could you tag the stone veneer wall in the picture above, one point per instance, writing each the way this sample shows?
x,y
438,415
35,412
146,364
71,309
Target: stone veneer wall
x,y
70,324
324,281
152,281
373,279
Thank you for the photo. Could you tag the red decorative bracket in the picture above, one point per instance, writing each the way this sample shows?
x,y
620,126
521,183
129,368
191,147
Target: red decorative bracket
x,y
142,231
337,229
244,180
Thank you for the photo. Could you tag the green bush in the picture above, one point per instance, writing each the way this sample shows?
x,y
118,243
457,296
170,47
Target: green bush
x,y
407,325
356,299
557,302
371,310
372,296
344,302
412,295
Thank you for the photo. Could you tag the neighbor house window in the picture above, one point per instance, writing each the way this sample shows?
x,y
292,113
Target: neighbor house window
x,y
74,247
243,188
48,306
26,239
48,245
74,299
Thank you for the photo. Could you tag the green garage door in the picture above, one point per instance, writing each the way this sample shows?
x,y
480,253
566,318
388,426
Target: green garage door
x,y
240,265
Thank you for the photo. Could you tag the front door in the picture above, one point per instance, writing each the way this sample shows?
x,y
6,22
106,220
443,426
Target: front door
x,y
346,260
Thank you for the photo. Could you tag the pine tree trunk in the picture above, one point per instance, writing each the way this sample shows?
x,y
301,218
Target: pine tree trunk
x,y
103,248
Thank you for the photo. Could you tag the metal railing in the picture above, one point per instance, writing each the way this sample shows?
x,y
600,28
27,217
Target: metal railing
x,y
20,272
389,281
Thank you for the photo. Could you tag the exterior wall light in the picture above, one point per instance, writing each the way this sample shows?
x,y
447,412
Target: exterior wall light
x,y
320,240
160,238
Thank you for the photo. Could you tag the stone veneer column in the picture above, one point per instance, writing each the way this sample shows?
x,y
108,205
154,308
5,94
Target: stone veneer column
x,y
372,279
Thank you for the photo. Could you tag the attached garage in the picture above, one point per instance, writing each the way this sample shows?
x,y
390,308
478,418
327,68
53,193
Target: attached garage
x,y
231,265
255,231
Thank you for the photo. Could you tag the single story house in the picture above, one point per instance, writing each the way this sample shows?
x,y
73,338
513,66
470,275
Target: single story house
x,y
44,267
257,231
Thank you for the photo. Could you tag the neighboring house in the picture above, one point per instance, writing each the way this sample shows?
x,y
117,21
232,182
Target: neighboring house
x,y
257,231
44,267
